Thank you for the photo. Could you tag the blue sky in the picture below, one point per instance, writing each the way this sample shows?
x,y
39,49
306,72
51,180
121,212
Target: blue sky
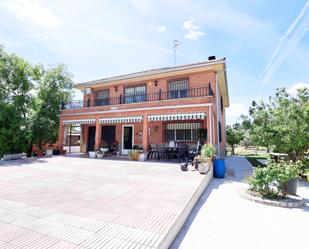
x,y
266,43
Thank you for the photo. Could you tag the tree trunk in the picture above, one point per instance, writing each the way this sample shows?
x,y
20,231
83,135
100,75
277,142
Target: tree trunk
x,y
232,150
29,151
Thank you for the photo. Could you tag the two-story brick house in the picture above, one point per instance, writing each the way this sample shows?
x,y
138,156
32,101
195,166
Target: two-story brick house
x,y
152,107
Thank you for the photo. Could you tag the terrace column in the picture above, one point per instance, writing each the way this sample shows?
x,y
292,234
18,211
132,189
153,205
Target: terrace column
x,y
61,135
97,135
145,133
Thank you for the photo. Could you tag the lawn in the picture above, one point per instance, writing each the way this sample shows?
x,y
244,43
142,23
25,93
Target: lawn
x,y
252,154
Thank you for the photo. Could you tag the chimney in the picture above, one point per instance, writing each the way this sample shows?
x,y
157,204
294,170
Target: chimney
x,y
211,58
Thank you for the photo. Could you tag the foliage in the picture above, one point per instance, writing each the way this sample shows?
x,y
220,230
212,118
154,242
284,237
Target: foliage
x,y
137,147
30,97
54,88
303,167
104,144
16,82
282,122
208,151
270,181
134,155
234,134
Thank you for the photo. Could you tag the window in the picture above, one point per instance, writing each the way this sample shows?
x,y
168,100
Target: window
x,y
221,104
219,128
178,88
101,97
135,94
182,131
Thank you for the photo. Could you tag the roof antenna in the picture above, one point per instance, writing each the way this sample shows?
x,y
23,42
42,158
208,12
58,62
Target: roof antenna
x,y
176,44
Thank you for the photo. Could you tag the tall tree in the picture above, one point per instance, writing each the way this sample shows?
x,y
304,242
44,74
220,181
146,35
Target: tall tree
x,y
283,123
55,87
234,134
16,82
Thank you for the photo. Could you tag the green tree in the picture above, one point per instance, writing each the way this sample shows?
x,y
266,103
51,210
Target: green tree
x,y
282,123
54,88
234,134
16,82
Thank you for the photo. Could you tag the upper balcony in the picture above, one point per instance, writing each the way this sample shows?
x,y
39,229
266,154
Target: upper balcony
x,y
143,97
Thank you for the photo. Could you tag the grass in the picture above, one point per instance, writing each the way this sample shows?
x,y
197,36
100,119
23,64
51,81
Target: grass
x,y
253,159
252,154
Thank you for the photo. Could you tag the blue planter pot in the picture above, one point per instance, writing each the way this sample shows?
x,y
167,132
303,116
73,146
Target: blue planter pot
x,y
219,168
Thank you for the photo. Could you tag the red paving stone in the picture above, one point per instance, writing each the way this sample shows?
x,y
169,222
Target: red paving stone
x,y
75,203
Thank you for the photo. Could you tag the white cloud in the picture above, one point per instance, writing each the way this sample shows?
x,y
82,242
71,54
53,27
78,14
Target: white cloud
x,y
162,28
293,89
193,31
234,111
287,44
31,11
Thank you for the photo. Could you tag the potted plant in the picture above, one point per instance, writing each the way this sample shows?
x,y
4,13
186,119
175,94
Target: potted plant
x,y
184,167
134,155
206,157
104,147
289,178
92,154
49,151
100,154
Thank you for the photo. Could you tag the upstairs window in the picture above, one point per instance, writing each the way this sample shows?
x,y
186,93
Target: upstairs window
x,y
101,97
134,94
221,104
182,131
178,88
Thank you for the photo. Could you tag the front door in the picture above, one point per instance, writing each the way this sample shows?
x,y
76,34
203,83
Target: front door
x,y
108,134
127,139
91,138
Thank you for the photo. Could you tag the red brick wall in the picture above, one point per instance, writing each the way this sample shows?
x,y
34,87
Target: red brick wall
x,y
154,136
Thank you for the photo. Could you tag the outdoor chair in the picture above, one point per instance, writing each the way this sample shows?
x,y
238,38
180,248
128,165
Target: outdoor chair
x,y
161,152
152,151
182,152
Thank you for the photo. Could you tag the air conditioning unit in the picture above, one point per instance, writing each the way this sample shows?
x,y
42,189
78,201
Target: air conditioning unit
x,y
88,90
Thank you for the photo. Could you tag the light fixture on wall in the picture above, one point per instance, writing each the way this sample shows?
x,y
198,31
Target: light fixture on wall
x,y
156,128
156,83
116,88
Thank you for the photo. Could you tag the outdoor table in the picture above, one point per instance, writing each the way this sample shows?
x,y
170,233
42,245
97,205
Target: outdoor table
x,y
278,156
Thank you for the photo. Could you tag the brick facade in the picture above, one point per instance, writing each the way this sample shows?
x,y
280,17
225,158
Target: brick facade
x,y
152,132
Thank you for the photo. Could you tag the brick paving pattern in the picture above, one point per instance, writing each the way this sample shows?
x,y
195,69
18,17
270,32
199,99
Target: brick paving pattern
x,y
75,203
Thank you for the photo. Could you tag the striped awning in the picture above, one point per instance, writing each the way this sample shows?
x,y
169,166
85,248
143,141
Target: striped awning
x,y
121,120
180,116
79,121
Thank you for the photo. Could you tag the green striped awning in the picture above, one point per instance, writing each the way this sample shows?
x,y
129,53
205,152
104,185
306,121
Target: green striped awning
x,y
121,120
79,121
178,116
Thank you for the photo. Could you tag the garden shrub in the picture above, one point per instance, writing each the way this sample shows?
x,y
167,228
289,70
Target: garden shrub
x,y
270,181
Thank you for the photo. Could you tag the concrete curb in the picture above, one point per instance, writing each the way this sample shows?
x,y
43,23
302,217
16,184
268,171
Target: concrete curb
x,y
171,235
290,201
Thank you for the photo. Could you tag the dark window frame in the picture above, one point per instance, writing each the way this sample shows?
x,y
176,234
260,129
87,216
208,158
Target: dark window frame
x,y
101,101
178,93
134,98
188,134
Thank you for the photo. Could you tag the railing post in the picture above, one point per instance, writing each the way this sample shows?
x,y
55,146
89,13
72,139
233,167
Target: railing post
x,y
160,92
120,99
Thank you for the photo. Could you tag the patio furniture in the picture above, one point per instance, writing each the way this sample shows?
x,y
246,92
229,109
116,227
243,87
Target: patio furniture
x,y
161,152
172,153
152,151
278,156
195,152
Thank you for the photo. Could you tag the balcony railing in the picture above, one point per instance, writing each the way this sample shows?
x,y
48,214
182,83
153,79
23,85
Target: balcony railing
x,y
145,97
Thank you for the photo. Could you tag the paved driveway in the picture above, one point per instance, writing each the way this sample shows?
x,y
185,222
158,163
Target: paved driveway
x,y
222,219
66,203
